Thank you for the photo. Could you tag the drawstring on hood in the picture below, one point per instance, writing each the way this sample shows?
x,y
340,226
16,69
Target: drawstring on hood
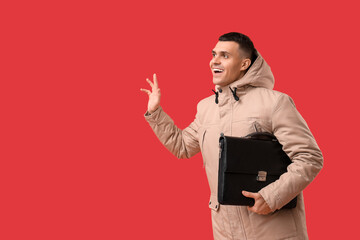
x,y
216,96
234,93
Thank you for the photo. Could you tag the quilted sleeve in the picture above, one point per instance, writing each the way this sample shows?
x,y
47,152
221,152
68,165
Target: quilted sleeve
x,y
299,144
182,143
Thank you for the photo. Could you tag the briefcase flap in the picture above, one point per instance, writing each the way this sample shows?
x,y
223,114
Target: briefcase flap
x,y
253,155
249,163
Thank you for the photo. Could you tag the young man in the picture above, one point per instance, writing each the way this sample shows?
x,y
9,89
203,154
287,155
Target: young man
x,y
244,102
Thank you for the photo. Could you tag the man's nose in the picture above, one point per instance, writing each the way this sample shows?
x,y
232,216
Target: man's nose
x,y
215,60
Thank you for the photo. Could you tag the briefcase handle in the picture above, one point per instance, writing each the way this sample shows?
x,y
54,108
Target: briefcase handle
x,y
262,136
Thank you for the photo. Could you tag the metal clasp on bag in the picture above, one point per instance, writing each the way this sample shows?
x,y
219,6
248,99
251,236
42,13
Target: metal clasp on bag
x,y
261,177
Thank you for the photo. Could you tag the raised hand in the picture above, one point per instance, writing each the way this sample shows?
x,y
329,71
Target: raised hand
x,y
154,94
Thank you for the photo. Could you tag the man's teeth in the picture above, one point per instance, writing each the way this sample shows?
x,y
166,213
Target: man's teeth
x,y
218,70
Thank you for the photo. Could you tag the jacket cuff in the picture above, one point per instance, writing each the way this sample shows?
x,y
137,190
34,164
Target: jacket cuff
x,y
271,197
153,117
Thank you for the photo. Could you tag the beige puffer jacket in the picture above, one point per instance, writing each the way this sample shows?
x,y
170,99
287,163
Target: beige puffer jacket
x,y
259,107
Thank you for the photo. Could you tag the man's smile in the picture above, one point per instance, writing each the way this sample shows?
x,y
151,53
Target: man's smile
x,y
217,71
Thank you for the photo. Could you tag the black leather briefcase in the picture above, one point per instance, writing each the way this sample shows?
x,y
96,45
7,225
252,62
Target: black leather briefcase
x,y
249,163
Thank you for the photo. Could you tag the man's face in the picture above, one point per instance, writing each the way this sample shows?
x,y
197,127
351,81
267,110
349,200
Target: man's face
x,y
226,63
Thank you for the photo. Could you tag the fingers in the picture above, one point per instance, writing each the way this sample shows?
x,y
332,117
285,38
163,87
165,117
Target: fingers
x,y
260,206
250,194
151,84
254,208
259,210
250,208
145,90
155,80
154,85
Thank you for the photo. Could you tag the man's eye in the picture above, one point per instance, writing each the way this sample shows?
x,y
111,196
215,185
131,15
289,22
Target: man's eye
x,y
213,54
226,56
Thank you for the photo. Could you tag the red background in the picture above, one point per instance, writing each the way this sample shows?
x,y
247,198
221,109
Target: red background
x,y
78,160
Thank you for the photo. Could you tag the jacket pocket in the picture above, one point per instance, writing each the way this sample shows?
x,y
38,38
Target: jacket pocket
x,y
241,128
279,225
209,144
201,142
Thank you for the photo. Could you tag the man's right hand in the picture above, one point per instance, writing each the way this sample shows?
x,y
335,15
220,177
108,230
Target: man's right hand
x,y
154,94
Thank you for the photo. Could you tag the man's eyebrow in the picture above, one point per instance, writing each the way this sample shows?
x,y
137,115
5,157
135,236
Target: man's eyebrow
x,y
223,52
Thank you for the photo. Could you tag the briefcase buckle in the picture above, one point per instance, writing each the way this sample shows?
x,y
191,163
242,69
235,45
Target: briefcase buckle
x,y
261,177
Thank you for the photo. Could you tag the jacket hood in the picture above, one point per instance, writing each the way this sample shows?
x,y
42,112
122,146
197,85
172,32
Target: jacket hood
x,y
259,75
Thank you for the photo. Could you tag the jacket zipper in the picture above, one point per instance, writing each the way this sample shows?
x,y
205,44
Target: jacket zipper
x,y
232,108
238,209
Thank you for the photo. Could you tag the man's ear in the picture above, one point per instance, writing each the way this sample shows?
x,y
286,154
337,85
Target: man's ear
x,y
245,64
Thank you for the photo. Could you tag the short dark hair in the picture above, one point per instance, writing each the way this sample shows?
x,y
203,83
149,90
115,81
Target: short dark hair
x,y
245,44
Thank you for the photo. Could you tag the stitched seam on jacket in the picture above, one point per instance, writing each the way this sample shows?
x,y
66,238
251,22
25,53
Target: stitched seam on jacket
x,y
241,222
230,223
275,109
